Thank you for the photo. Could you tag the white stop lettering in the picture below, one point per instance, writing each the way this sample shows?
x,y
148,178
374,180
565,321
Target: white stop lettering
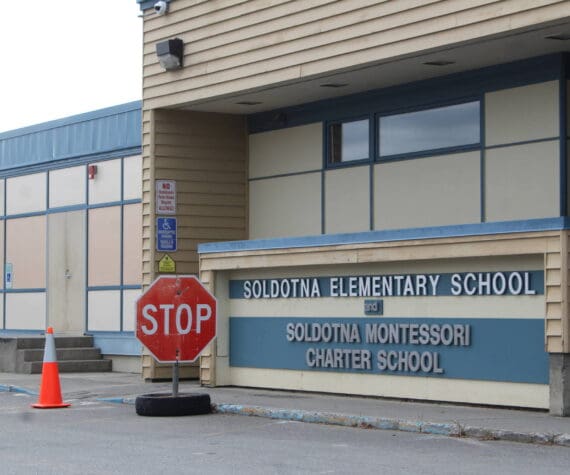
x,y
179,310
203,314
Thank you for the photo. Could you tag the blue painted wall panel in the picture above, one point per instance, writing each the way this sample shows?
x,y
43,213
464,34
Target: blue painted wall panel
x,y
124,344
510,350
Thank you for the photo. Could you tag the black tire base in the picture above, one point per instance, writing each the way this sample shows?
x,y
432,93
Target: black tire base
x,y
166,405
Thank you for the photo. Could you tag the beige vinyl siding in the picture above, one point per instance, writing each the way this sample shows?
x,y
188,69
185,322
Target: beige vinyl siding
x,y
147,195
240,45
206,155
557,293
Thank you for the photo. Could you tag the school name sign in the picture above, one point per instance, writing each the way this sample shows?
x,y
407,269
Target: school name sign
x,y
456,348
394,285
350,355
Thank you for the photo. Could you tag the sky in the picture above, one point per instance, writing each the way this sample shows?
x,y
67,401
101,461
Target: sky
x,y
64,57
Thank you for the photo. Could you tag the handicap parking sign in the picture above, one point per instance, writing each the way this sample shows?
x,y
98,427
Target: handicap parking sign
x,y
165,234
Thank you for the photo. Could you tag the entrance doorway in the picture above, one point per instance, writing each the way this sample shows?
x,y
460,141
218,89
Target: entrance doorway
x,y
66,272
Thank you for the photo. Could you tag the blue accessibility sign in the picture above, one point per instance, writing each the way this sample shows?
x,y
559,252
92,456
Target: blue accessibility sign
x,y
165,234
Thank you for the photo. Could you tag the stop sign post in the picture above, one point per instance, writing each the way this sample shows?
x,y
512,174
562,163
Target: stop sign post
x,y
176,318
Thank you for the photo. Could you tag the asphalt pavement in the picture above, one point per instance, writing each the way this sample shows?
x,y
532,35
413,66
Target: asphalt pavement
x,y
486,423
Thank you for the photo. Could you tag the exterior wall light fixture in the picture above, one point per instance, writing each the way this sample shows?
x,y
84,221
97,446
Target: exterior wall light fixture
x,y
170,53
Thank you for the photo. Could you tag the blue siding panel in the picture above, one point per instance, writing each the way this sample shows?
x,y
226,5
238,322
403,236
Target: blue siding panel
x,y
105,130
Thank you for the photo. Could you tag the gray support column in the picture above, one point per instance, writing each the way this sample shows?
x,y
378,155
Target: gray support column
x,y
560,384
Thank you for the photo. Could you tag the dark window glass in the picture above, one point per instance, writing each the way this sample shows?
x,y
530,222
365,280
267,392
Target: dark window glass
x,y
349,141
444,127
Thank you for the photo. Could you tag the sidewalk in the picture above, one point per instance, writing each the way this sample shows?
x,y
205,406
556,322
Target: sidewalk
x,y
442,419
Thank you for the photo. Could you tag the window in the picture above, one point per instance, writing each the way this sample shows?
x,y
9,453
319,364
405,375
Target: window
x,y
432,129
349,141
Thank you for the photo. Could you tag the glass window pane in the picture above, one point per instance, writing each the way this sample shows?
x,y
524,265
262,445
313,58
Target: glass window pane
x,y
349,141
444,127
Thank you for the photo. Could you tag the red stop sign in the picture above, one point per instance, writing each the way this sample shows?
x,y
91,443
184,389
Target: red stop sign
x,y
176,314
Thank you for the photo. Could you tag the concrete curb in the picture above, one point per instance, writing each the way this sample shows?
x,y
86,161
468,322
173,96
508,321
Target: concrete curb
x,y
449,429
452,429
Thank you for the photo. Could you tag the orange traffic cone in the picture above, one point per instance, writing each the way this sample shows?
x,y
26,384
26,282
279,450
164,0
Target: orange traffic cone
x,y
50,390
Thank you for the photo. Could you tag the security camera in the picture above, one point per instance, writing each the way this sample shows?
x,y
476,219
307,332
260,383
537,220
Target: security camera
x,y
160,8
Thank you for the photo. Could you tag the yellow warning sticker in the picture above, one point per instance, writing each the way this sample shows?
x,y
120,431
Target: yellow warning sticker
x,y
166,264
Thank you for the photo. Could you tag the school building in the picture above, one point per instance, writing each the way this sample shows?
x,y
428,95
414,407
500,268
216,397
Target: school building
x,y
70,230
375,191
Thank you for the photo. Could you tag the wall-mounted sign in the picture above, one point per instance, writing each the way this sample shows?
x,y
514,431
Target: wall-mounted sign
x,y
165,199
167,265
166,234
396,285
373,307
8,275
463,348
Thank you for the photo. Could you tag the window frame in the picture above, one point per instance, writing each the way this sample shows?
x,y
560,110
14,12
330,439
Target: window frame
x,y
432,152
374,134
328,164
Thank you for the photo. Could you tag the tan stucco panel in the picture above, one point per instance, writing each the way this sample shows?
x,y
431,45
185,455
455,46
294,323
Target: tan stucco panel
x,y
522,114
347,200
522,182
286,206
292,150
26,251
104,246
433,191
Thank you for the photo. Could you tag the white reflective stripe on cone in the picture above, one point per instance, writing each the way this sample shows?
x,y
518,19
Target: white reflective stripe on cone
x,y
49,350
